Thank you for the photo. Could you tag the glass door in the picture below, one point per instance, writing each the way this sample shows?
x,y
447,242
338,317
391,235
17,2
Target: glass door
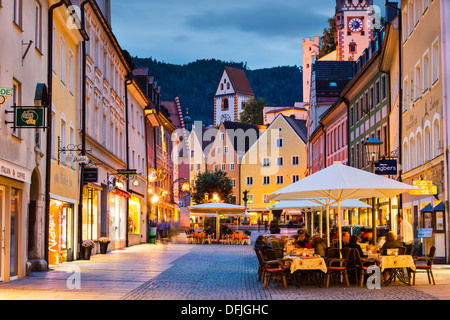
x,y
13,268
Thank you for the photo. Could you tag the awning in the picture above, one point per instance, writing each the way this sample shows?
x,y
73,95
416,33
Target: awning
x,y
427,208
439,207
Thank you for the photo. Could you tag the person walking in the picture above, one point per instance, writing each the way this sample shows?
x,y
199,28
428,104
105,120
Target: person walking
x,y
259,224
405,231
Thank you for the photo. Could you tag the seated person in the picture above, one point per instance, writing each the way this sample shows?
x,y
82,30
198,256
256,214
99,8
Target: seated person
x,y
319,245
368,236
345,240
391,243
261,243
209,230
353,243
302,242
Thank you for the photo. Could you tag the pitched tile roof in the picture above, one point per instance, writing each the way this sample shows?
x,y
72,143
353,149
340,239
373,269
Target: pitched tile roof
x,y
239,80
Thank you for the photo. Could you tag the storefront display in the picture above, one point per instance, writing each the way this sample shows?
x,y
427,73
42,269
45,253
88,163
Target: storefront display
x,y
134,213
90,214
117,214
61,233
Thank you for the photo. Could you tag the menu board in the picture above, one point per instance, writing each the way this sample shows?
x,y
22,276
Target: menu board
x,y
425,233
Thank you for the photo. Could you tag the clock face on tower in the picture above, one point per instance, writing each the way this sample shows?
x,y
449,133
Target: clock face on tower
x,y
355,24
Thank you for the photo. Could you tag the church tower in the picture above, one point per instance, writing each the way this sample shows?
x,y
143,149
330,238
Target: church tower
x,y
354,28
232,92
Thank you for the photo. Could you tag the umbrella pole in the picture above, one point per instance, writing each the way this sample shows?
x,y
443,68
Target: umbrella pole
x,y
328,223
340,224
217,225
320,223
312,223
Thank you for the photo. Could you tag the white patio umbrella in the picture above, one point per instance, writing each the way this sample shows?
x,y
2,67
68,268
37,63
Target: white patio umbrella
x,y
305,204
217,209
339,182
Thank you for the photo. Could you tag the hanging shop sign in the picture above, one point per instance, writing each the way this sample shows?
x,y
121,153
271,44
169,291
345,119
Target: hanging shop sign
x,y
386,167
425,187
125,172
29,117
90,175
76,159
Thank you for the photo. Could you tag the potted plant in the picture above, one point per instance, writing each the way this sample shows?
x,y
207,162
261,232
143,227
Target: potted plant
x,y
87,246
103,241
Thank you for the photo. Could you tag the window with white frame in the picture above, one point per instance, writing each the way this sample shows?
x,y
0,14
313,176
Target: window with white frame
x,y
72,142
419,154
249,181
279,142
62,60
266,180
435,62
62,135
383,88
280,179
231,166
54,145
424,6
71,72
222,136
280,161
437,138
38,26
427,144
233,183
295,178
218,150
295,160
266,162
417,13
426,72
417,80
17,101
405,94
17,12
225,150
223,167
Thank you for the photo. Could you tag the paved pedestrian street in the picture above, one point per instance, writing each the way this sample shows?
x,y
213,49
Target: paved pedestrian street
x,y
180,271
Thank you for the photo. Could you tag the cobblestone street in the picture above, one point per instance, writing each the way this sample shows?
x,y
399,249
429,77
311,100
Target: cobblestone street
x,y
179,271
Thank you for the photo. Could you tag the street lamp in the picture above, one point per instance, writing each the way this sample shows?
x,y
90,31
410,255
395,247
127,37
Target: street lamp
x,y
372,147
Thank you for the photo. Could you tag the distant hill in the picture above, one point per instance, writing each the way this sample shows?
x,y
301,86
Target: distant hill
x,y
195,84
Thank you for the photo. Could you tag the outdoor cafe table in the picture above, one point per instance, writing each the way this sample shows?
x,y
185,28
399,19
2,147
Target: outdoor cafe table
x,y
307,264
397,264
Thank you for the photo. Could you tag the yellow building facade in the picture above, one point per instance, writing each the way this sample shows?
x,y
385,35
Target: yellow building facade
x,y
422,116
277,159
64,190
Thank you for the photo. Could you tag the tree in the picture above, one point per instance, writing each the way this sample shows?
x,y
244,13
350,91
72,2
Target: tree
x,y
253,111
328,42
210,182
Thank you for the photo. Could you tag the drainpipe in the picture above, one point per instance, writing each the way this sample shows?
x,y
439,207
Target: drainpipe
x,y
83,130
400,99
128,81
48,163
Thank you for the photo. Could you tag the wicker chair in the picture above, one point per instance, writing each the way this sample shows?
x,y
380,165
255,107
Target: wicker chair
x,y
336,267
425,267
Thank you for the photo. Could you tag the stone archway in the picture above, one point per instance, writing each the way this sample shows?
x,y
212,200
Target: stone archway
x,y
36,228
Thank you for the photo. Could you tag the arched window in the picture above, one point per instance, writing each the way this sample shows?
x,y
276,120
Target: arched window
x,y
427,144
436,136
405,157
225,104
419,154
412,153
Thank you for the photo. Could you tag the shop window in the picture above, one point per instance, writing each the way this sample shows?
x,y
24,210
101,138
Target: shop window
x,y
134,216
90,214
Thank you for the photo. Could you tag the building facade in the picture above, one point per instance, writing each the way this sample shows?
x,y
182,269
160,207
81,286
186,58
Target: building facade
x,y
275,160
105,202
423,152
